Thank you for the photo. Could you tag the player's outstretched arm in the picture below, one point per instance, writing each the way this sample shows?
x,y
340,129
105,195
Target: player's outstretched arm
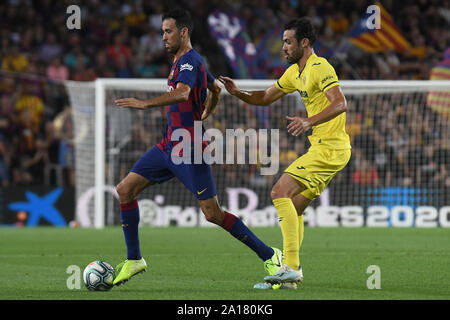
x,y
258,98
212,100
338,104
180,94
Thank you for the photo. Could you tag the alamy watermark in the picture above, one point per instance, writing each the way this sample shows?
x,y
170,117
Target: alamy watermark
x,y
374,20
235,140
74,19
374,281
73,281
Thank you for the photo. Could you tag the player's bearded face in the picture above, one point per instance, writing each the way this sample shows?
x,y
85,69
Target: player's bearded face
x,y
171,36
295,56
291,47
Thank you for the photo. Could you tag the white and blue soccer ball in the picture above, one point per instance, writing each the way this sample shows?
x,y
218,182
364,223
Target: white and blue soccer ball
x,y
98,276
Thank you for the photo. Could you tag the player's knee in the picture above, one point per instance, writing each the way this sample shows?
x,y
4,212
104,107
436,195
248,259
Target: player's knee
x,y
213,215
209,216
125,192
277,192
282,191
273,194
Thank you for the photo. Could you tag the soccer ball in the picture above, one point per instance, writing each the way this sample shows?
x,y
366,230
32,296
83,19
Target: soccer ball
x,y
98,276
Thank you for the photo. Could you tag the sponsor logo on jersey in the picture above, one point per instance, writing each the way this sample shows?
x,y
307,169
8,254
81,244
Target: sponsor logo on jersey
x,y
326,78
186,66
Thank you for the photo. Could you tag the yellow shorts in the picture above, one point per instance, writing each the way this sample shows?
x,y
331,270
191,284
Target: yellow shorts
x,y
317,167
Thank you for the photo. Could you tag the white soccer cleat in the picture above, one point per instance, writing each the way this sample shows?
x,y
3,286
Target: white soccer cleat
x,y
286,275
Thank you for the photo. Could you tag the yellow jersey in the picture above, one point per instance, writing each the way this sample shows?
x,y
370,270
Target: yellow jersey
x,y
317,76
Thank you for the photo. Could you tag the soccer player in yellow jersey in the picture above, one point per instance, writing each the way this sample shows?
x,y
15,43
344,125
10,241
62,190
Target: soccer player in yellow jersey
x,y
317,83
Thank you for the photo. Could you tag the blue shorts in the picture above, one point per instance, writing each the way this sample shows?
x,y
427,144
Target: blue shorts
x,y
157,166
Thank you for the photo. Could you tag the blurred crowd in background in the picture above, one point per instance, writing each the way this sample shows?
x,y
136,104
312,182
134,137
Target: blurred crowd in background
x,y
123,39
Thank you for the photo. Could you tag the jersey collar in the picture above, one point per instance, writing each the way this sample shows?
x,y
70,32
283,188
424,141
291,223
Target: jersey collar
x,y
307,61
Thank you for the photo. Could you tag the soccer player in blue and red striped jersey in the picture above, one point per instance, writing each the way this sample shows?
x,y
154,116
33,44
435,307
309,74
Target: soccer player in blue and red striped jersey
x,y
186,101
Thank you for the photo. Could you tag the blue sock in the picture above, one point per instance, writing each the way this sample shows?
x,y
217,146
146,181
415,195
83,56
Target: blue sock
x,y
239,230
129,214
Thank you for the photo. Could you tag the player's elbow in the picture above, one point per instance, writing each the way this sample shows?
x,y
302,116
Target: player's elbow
x,y
181,92
342,106
214,88
264,101
184,95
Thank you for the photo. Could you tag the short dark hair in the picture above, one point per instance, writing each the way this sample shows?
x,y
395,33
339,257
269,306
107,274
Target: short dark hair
x,y
303,29
182,18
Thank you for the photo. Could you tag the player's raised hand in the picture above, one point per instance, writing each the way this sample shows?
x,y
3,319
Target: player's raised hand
x,y
130,103
207,112
298,125
229,84
210,106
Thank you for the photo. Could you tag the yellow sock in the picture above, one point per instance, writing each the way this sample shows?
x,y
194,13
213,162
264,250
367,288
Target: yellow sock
x,y
289,230
301,231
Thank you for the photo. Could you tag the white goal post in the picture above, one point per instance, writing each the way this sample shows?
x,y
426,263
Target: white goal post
x,y
97,123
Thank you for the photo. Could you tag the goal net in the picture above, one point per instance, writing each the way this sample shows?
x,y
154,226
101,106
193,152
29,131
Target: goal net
x,y
399,172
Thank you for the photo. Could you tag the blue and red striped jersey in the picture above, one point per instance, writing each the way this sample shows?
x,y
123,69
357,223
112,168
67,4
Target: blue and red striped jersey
x,y
189,69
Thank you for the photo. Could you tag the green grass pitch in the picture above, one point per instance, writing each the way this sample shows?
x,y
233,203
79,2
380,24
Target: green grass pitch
x,y
207,263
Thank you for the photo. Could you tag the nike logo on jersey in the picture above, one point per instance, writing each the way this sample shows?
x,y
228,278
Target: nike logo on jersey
x,y
200,192
316,64
301,168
